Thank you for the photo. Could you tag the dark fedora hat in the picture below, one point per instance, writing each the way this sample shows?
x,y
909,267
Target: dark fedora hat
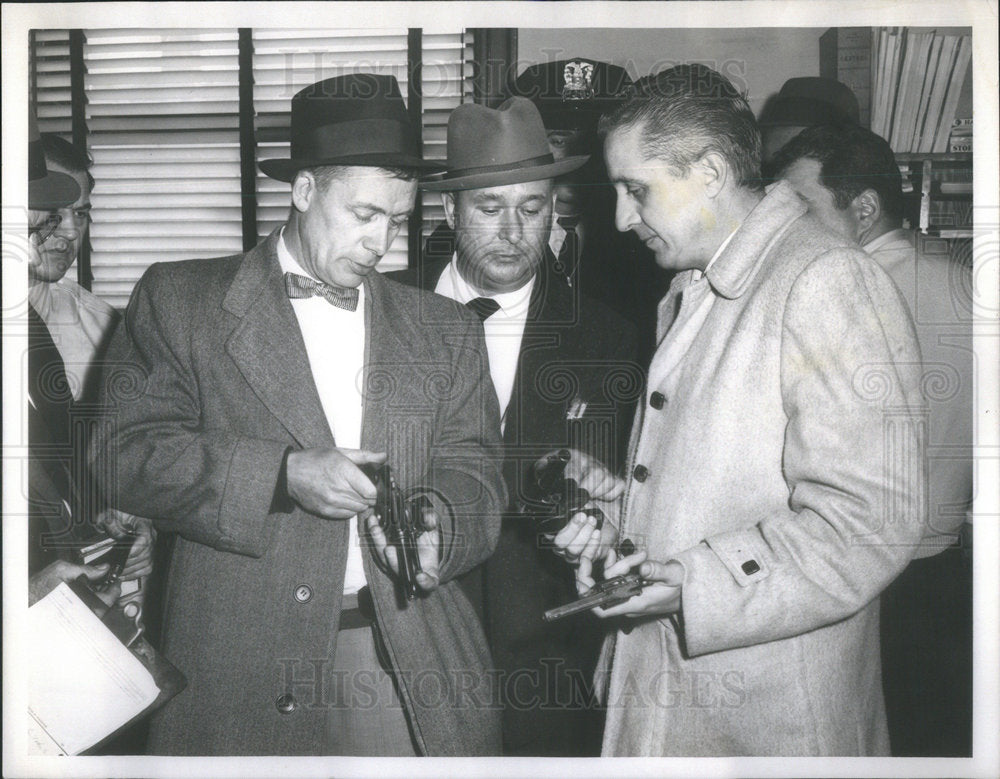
x,y
492,147
356,119
810,101
572,94
48,190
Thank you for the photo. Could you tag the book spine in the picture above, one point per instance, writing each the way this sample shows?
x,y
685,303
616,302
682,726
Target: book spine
x,y
846,55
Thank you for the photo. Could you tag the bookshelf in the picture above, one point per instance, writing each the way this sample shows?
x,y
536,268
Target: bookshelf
x,y
914,88
938,191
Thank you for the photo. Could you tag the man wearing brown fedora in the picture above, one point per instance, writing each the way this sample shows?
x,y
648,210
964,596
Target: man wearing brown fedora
x,y
563,370
263,382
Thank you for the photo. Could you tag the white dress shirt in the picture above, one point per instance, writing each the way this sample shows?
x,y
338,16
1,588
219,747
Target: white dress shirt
x,y
335,345
557,235
504,329
79,323
695,303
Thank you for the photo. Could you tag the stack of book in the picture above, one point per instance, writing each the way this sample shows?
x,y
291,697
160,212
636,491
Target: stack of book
x,y
917,79
960,140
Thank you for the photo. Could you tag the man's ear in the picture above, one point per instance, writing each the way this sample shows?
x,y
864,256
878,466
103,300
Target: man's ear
x,y
448,201
303,190
867,210
714,170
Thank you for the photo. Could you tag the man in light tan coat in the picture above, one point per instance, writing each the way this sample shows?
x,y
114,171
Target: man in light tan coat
x,y
775,468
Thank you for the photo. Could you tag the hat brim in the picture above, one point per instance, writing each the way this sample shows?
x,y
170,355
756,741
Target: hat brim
x,y
285,169
55,190
802,112
441,182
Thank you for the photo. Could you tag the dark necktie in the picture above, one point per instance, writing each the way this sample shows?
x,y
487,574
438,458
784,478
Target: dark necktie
x,y
304,287
568,257
484,307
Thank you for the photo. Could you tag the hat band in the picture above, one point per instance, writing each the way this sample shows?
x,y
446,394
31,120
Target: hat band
x,y
545,159
353,138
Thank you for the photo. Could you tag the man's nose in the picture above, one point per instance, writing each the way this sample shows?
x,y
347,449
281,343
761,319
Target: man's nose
x,y
625,215
60,240
511,228
379,239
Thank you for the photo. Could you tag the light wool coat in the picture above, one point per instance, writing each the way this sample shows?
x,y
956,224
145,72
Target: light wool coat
x,y
784,473
213,384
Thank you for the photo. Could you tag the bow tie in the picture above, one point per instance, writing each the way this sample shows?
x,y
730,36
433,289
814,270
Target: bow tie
x,y
485,307
297,286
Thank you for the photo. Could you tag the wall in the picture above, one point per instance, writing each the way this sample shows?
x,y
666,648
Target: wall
x,y
757,60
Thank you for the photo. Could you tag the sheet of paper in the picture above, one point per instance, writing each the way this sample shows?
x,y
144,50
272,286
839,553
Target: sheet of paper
x,y
84,684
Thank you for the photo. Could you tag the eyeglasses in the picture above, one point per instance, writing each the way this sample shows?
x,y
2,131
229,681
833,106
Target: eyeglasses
x,y
45,230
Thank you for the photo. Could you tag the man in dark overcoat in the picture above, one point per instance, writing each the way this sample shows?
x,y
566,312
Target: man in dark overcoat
x,y
564,371
250,392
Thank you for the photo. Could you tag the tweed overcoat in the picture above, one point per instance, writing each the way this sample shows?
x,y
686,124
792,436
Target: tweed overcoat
x,y
212,385
783,470
576,385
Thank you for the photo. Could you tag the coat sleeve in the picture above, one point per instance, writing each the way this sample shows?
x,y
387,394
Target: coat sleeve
x,y
853,461
210,485
466,456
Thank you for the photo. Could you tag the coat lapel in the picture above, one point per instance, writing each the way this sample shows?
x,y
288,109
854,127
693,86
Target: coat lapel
x,y
391,351
550,304
268,349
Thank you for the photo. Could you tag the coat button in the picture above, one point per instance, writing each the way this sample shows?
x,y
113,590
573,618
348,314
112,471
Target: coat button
x,y
750,567
640,473
656,400
286,703
303,593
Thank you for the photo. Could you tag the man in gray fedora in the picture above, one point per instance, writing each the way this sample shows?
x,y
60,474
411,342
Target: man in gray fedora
x,y
263,383
564,372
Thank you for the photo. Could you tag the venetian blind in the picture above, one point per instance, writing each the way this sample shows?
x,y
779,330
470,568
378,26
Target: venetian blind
x,y
50,81
286,61
446,78
163,119
162,111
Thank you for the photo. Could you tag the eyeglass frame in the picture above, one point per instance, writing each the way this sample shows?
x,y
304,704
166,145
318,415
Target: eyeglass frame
x,y
46,229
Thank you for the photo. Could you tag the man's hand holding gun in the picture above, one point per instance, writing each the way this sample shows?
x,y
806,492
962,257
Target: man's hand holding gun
x,y
631,585
404,534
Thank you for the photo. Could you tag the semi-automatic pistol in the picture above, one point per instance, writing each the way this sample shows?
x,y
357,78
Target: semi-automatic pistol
x,y
604,594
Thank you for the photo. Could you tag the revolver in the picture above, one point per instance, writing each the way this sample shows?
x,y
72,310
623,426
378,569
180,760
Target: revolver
x,y
401,519
605,594
551,498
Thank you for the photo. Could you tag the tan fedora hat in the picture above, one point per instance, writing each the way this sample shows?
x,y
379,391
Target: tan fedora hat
x,y
492,147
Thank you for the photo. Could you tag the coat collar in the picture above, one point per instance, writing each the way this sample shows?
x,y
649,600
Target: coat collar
x,y
268,349
734,269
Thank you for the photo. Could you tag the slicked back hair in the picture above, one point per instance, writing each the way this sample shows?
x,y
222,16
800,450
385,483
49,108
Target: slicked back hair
x,y
852,159
685,112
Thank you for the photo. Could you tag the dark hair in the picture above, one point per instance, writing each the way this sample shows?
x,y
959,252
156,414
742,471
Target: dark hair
x,y
852,159
324,174
686,112
61,152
